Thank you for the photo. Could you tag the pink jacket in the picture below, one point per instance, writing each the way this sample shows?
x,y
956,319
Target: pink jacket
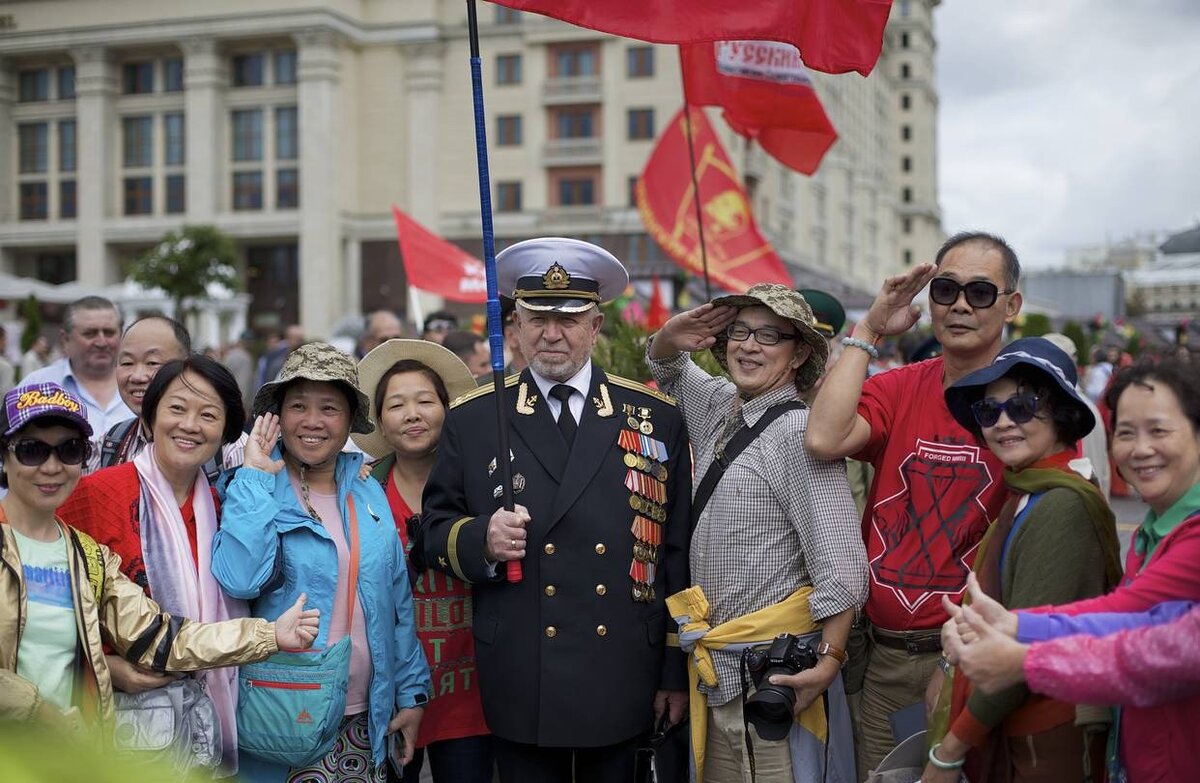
x,y
1158,743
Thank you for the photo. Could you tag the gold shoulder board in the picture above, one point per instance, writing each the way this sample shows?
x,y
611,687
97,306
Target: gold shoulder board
x,y
482,390
642,388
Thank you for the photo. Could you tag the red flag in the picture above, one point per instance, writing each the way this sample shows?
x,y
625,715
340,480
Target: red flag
x,y
834,36
437,266
767,96
657,314
738,255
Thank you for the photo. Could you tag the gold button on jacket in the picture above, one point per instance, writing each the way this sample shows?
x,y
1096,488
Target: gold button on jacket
x,y
551,590
551,631
548,549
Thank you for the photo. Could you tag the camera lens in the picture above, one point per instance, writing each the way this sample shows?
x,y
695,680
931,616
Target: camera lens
x,y
770,708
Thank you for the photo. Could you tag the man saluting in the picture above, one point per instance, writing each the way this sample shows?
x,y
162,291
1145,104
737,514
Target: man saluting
x,y
574,662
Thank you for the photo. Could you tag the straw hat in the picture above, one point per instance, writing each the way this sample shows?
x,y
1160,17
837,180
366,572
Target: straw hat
x,y
379,360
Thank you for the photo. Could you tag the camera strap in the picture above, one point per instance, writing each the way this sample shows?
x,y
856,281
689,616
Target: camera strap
x,y
736,445
746,723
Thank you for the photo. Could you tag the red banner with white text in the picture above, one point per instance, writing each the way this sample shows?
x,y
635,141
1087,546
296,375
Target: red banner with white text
x,y
437,266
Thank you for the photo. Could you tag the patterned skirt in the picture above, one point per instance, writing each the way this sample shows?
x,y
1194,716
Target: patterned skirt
x,y
348,762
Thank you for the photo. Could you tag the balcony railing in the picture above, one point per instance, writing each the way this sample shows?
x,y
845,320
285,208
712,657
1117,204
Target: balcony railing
x,y
572,152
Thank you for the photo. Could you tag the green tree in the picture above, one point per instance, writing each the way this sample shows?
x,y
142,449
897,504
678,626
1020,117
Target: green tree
x,y
185,263
31,312
1036,324
1083,346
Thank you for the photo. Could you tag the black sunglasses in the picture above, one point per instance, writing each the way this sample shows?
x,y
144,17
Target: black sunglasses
x,y
763,335
32,452
1020,409
981,294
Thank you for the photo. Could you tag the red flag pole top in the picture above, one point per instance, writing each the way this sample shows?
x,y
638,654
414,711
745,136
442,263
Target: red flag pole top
x,y
738,254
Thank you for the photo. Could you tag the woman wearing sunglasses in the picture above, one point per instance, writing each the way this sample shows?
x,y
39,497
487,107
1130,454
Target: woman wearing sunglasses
x,y
61,592
1054,541
159,514
410,384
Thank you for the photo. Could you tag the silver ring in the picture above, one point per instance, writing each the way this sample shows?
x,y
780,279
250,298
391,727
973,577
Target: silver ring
x,y
513,543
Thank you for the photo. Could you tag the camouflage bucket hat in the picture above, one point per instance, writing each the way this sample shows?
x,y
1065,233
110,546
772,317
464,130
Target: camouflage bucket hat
x,y
317,362
785,303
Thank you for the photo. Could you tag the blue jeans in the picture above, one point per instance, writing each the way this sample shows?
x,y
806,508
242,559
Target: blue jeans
x,y
464,760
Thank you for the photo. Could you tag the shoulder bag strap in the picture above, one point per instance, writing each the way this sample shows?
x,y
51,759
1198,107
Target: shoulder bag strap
x,y
740,440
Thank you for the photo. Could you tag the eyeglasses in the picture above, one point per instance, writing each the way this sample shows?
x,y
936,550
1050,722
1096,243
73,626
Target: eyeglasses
x,y
439,326
981,294
1020,409
32,452
763,335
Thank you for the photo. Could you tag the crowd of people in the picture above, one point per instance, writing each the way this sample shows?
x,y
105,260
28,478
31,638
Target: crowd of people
x,y
328,562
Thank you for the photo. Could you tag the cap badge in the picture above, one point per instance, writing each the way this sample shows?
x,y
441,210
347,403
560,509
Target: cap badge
x,y
556,278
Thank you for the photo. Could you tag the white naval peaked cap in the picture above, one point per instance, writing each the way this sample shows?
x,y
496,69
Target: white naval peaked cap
x,y
558,274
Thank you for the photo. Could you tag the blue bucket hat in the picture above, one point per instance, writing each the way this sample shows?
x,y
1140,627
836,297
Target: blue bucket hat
x,y
1036,352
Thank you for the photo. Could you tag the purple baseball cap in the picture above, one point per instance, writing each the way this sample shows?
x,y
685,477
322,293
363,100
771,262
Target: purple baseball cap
x,y
42,400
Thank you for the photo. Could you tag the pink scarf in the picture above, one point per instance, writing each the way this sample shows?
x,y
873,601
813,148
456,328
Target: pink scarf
x,y
182,589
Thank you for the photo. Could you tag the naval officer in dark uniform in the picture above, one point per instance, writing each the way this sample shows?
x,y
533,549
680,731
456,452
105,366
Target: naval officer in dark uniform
x,y
574,660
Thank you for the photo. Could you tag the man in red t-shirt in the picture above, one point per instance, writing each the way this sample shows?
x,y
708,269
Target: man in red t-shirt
x,y
935,489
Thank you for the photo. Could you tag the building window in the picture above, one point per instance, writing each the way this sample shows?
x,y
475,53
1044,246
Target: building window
x,y
575,124
903,40
287,189
906,101
507,15
508,130
287,146
633,181
576,192
906,132
508,196
906,163
906,195
905,71
641,124
174,148
908,258
139,195
176,190
905,7
508,69
66,83
66,198
639,62
66,145
247,134
34,147
906,225
247,190
173,74
138,134
248,70
137,78
34,204
575,61
285,67
34,85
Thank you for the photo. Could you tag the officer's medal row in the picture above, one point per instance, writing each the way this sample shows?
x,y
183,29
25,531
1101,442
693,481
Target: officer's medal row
x,y
644,456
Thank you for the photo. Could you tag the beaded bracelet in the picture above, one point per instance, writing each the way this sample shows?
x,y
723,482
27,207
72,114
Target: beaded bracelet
x,y
937,762
854,342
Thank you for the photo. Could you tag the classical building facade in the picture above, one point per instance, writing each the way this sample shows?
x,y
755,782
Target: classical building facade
x,y
295,128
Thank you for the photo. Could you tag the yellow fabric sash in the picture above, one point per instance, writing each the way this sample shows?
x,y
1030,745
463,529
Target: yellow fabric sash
x,y
791,615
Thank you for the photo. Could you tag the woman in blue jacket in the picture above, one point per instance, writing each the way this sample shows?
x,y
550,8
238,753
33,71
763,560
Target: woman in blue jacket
x,y
297,517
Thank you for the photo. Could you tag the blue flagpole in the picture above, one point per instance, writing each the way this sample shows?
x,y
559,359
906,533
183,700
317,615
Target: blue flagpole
x,y
495,327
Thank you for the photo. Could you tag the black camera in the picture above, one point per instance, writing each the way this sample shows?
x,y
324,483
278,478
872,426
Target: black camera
x,y
770,708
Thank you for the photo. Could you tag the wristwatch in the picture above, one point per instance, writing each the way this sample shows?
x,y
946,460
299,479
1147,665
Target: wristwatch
x,y
825,648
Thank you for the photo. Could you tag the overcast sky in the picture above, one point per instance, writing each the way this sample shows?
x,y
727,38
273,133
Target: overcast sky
x,y
1066,122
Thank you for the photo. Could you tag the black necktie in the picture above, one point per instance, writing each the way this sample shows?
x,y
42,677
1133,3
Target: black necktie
x,y
566,421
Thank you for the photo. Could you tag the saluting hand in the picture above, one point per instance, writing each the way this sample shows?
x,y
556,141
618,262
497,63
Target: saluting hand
x,y
692,330
261,442
296,629
506,534
893,312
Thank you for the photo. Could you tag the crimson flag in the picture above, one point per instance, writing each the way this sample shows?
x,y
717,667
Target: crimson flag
x,y
657,313
738,255
767,96
437,266
835,36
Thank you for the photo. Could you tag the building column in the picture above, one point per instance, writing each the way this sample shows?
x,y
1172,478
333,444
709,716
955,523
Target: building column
x,y
95,86
352,258
423,76
8,194
320,242
204,81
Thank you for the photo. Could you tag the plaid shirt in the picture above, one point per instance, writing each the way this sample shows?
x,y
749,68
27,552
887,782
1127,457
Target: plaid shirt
x,y
778,519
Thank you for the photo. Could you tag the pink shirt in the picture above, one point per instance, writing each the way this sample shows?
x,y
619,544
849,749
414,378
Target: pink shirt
x,y
360,654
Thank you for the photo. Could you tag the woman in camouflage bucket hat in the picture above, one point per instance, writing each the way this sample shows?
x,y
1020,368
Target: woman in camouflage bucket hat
x,y
318,362
785,303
